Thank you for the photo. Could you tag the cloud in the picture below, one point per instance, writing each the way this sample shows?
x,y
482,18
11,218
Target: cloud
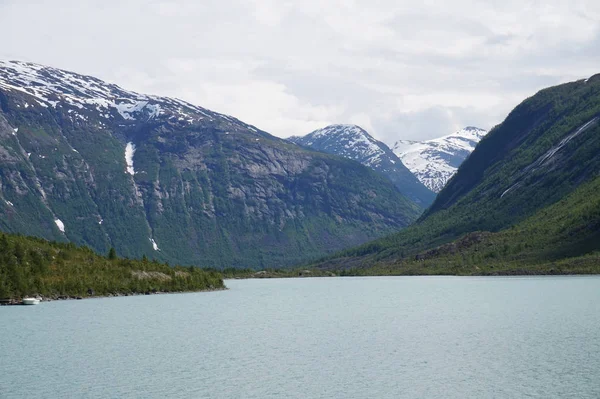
x,y
430,123
399,68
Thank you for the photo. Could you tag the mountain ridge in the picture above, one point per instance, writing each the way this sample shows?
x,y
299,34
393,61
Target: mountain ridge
x,y
86,161
354,142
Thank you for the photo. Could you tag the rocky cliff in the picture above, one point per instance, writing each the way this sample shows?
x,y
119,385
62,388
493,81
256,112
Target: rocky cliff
x,y
85,161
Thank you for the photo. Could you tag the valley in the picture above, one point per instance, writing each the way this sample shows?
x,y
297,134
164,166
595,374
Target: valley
x,y
86,163
299,199
525,201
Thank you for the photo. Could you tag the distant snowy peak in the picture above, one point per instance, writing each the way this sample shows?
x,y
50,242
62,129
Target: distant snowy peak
x,y
349,141
435,161
52,88
353,142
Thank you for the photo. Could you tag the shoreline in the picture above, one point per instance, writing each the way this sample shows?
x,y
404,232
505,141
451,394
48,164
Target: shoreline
x,y
18,302
505,273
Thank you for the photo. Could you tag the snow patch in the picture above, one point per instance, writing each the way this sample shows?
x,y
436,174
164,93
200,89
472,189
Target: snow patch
x,y
154,245
538,163
508,190
60,225
429,160
127,109
129,151
564,142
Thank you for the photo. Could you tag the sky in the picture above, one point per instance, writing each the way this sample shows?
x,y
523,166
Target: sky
x,y
400,69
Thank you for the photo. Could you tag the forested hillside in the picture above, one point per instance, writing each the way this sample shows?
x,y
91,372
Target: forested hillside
x,y
33,266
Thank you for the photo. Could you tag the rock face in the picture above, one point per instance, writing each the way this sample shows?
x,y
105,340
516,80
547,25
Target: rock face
x,y
88,162
435,161
353,142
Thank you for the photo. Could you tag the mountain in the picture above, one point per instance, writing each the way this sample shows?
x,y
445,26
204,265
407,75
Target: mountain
x,y
559,239
85,161
435,161
353,142
527,197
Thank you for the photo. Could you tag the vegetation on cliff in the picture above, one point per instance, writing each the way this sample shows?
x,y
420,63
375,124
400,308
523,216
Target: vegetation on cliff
x,y
561,239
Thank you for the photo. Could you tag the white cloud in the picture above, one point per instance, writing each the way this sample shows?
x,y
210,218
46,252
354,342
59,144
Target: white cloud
x,y
399,68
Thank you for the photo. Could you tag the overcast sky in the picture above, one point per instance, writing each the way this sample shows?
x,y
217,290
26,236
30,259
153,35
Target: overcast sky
x,y
400,69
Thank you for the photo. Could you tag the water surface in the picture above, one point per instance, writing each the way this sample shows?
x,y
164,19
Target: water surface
x,y
388,337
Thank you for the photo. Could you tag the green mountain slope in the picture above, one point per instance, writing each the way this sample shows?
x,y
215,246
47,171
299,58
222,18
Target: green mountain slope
x,y
87,162
545,149
563,238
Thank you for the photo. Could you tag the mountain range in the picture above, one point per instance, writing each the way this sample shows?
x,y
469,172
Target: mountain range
x,y
435,161
91,163
86,162
353,142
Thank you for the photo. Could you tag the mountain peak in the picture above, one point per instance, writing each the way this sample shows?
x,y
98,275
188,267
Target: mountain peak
x,y
81,94
354,142
435,161
350,141
341,129
470,132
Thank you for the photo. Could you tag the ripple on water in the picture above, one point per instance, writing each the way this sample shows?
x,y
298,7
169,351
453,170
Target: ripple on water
x,y
391,337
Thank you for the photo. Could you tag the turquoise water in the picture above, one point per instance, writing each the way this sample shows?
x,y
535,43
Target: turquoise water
x,y
388,337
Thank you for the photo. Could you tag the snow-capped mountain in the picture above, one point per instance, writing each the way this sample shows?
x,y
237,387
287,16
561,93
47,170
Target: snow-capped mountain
x,y
353,142
88,162
435,161
53,87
